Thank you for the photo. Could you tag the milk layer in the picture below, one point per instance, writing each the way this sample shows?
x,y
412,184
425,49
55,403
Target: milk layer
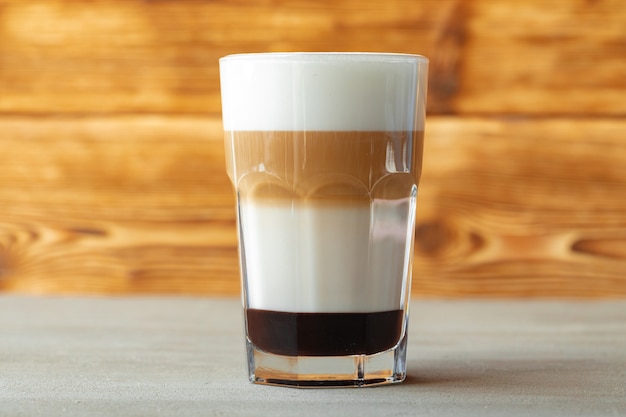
x,y
327,257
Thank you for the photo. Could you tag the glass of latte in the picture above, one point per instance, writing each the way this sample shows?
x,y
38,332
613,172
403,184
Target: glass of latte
x,y
324,151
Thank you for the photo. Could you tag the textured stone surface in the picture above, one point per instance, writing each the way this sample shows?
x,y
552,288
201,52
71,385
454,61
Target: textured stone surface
x,y
185,356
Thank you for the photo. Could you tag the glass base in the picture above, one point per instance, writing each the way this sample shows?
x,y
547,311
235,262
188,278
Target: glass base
x,y
382,368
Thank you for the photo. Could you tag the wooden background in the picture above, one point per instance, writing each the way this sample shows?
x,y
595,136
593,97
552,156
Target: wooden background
x,y
112,167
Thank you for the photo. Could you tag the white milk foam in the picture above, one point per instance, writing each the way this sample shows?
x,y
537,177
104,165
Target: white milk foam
x,y
333,91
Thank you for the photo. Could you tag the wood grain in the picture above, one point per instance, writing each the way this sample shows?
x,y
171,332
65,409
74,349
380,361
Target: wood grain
x,y
544,58
556,58
527,207
115,205
162,56
141,204
112,172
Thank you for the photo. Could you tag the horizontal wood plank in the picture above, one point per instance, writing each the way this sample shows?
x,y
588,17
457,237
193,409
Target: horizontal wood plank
x,y
543,58
141,204
524,207
162,56
132,56
115,206
114,56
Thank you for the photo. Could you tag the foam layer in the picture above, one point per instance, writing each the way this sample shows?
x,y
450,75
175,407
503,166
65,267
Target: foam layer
x,y
334,91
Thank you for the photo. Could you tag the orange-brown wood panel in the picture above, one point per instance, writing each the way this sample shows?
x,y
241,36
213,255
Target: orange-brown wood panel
x,y
142,204
115,205
112,163
557,57
136,56
522,207
544,58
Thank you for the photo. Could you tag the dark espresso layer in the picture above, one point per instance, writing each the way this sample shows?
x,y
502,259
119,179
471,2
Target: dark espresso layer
x,y
324,334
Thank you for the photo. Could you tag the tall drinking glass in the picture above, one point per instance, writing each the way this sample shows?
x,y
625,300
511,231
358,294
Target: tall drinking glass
x,y
324,151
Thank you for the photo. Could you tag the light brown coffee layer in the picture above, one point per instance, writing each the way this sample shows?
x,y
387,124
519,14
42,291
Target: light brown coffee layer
x,y
323,166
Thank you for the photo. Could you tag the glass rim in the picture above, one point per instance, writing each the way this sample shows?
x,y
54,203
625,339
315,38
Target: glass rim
x,y
326,56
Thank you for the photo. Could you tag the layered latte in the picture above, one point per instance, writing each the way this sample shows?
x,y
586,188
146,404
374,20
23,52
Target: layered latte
x,y
326,201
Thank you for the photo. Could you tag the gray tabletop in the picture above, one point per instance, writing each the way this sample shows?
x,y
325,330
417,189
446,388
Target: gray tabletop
x,y
185,357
